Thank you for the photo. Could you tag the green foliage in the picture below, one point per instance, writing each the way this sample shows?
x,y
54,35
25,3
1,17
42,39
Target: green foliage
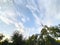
x,y
32,40
17,39
1,36
47,36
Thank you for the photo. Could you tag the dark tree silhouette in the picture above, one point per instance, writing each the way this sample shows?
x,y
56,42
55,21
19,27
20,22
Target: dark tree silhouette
x,y
48,36
1,36
32,40
5,42
17,39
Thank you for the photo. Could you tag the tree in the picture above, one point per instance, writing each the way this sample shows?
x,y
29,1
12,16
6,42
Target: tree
x,y
1,36
32,40
18,39
5,42
49,35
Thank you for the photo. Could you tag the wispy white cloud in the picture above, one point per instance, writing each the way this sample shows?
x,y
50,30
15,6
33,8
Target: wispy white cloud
x,y
20,27
30,31
8,15
37,19
6,20
49,10
43,11
34,8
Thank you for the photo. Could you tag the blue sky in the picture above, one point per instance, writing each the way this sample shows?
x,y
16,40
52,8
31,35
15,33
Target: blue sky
x,y
26,16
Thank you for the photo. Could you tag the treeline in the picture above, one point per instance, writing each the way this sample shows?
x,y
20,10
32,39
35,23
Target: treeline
x,y
48,36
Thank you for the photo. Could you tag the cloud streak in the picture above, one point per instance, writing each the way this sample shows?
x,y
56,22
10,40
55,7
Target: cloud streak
x,y
19,13
9,15
46,9
51,9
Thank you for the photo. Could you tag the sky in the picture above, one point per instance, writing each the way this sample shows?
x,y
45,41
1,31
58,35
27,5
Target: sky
x,y
26,16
